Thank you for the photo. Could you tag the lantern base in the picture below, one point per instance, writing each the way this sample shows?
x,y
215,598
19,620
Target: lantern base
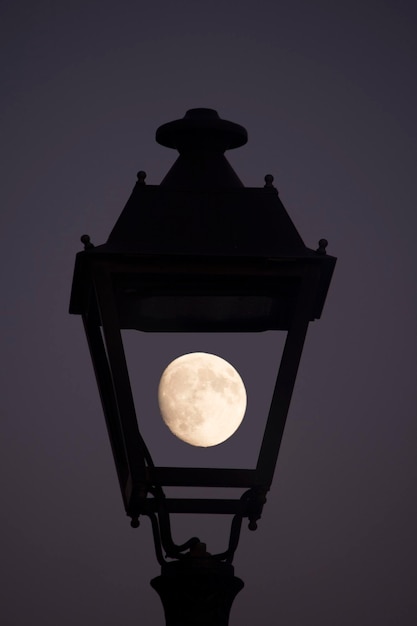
x,y
197,591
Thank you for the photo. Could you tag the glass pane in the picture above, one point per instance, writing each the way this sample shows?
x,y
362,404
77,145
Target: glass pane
x,y
256,356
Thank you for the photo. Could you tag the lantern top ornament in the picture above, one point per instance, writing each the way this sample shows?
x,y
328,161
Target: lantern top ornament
x,y
201,129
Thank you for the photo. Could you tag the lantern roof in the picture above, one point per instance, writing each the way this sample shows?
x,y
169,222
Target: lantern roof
x,y
201,210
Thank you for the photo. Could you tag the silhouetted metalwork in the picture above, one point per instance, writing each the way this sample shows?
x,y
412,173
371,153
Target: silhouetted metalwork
x,y
198,253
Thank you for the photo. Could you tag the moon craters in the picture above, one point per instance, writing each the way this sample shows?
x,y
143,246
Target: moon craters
x,y
202,398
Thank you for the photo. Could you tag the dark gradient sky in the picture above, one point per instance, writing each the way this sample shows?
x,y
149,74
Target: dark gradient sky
x,y
327,91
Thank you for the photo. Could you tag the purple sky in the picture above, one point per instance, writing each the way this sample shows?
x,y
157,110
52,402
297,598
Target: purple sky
x,y
327,92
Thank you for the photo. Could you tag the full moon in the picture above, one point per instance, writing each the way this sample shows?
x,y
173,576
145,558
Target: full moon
x,y
202,399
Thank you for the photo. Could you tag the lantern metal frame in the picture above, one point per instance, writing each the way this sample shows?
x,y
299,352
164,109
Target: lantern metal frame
x,y
252,275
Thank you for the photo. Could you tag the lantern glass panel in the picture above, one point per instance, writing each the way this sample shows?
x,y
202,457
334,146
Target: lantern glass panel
x,y
256,356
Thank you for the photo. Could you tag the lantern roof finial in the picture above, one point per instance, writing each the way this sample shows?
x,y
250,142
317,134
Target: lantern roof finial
x,y
199,130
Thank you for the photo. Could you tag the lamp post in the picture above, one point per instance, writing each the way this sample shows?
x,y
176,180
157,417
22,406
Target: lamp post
x,y
198,253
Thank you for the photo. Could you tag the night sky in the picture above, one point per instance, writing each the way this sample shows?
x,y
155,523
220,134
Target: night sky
x,y
327,92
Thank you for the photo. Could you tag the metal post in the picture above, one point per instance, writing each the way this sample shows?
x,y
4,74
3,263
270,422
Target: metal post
x,y
197,590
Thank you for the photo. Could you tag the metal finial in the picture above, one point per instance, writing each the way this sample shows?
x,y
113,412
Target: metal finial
x,y
85,239
269,183
200,129
322,246
141,175
135,522
252,525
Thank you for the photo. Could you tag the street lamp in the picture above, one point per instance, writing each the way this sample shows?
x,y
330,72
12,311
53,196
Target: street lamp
x,y
198,253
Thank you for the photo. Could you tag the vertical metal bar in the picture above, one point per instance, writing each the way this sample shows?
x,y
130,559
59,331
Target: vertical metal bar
x,y
108,400
285,381
134,445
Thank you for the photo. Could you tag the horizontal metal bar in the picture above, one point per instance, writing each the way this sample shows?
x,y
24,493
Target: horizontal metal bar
x,y
202,477
180,505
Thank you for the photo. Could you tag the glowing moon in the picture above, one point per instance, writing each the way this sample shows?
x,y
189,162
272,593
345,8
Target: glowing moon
x,y
202,399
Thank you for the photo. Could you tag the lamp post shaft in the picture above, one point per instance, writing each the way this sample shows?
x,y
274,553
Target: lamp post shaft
x,y
197,592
